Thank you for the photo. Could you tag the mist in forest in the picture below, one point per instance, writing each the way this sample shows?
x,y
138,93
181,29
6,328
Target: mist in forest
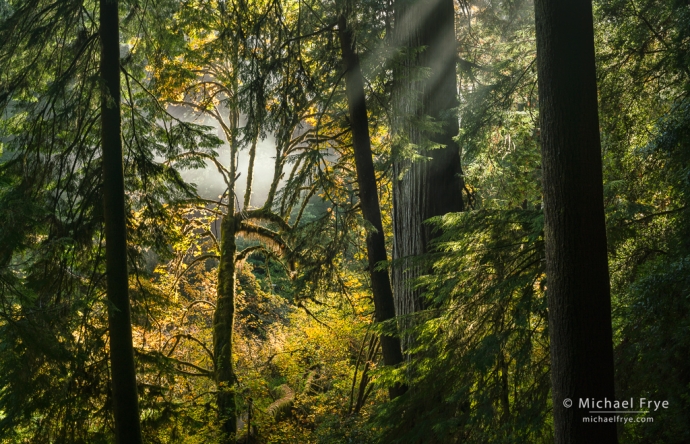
x,y
462,240
209,181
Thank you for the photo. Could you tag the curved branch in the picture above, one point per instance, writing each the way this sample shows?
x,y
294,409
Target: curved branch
x,y
289,268
653,215
201,301
192,338
198,301
244,254
202,371
213,237
264,214
260,233
196,260
309,195
156,354
310,314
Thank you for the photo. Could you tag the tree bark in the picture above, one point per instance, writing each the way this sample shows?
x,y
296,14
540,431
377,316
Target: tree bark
x,y
224,315
250,172
384,306
576,258
124,383
223,323
425,30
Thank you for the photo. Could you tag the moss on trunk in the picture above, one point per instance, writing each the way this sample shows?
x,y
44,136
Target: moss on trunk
x,y
223,320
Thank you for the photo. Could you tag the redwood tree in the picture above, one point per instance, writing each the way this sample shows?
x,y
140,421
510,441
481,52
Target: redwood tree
x,y
124,383
575,234
424,102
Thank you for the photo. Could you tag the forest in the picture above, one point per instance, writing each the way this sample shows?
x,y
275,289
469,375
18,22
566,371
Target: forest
x,y
344,221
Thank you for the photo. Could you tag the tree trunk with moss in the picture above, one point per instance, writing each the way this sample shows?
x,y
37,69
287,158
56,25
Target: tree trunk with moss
x,y
224,315
223,321
424,124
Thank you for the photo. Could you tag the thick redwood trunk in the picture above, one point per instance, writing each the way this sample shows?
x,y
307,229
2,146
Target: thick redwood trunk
x,y
576,258
124,383
423,189
384,305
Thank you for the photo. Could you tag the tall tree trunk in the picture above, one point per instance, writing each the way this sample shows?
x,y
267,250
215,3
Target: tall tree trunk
x,y
124,382
425,30
223,322
579,299
384,305
224,315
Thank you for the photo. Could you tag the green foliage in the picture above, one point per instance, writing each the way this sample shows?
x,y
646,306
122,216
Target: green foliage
x,y
55,381
307,360
645,119
480,371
